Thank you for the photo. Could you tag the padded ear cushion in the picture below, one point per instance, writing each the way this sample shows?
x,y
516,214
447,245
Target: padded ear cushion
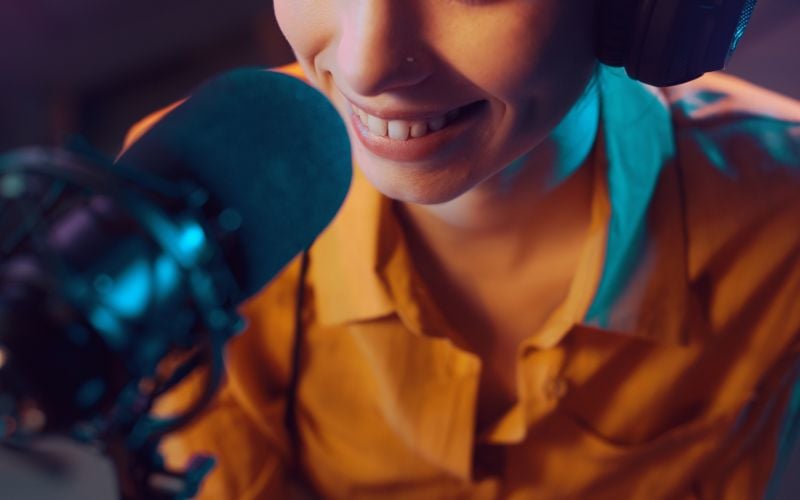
x,y
616,20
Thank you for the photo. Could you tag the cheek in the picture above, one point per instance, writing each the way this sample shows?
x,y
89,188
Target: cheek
x,y
287,19
525,51
306,25
491,50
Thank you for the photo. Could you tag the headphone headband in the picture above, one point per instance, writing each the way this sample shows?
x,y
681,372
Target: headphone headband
x,y
667,42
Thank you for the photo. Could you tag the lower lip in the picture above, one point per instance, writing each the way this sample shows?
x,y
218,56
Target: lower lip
x,y
420,148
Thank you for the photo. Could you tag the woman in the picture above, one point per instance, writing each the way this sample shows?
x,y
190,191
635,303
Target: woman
x,y
547,281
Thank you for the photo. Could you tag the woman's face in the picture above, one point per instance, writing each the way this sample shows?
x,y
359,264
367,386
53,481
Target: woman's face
x,y
457,89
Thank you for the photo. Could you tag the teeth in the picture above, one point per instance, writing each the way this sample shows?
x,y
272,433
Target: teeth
x,y
437,123
377,126
401,129
418,129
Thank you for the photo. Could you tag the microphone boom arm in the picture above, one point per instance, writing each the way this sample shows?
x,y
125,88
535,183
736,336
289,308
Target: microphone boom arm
x,y
124,428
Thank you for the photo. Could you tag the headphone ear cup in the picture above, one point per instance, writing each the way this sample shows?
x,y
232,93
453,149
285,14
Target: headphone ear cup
x,y
667,42
615,29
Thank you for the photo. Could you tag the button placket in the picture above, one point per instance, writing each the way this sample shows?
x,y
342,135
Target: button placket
x,y
544,384
556,388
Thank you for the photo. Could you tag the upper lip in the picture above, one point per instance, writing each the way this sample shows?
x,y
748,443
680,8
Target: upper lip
x,y
403,113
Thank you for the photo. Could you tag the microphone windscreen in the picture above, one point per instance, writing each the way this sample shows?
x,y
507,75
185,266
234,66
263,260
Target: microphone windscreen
x,y
266,145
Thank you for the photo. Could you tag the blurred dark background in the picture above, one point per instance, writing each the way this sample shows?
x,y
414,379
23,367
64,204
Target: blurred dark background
x,y
94,67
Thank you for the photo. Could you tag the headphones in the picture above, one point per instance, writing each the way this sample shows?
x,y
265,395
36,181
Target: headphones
x,y
667,42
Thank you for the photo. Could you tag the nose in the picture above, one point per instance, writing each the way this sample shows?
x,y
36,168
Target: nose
x,y
380,48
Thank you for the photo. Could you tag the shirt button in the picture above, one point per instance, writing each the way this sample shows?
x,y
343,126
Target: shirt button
x,y
556,388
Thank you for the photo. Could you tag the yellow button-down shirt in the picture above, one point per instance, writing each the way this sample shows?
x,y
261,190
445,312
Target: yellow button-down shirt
x,y
667,372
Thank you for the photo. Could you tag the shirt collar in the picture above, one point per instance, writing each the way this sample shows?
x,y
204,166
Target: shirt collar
x,y
361,270
644,289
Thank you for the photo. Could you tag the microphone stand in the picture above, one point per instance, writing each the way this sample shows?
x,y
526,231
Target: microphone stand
x,y
128,434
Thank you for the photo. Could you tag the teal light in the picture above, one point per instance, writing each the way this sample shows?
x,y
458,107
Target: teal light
x,y
166,275
788,440
639,142
109,327
191,241
131,291
711,149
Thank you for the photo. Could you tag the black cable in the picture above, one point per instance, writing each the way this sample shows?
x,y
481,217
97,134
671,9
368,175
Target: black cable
x,y
294,377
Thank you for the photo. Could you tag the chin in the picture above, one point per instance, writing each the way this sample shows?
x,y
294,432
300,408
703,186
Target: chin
x,y
413,185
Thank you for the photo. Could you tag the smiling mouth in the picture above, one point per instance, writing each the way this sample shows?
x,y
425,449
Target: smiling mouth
x,y
406,130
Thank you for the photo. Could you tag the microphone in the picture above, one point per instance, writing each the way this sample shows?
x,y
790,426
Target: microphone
x,y
265,145
108,268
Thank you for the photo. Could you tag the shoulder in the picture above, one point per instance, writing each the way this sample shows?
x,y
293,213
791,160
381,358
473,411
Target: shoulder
x,y
732,130
738,152
737,130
